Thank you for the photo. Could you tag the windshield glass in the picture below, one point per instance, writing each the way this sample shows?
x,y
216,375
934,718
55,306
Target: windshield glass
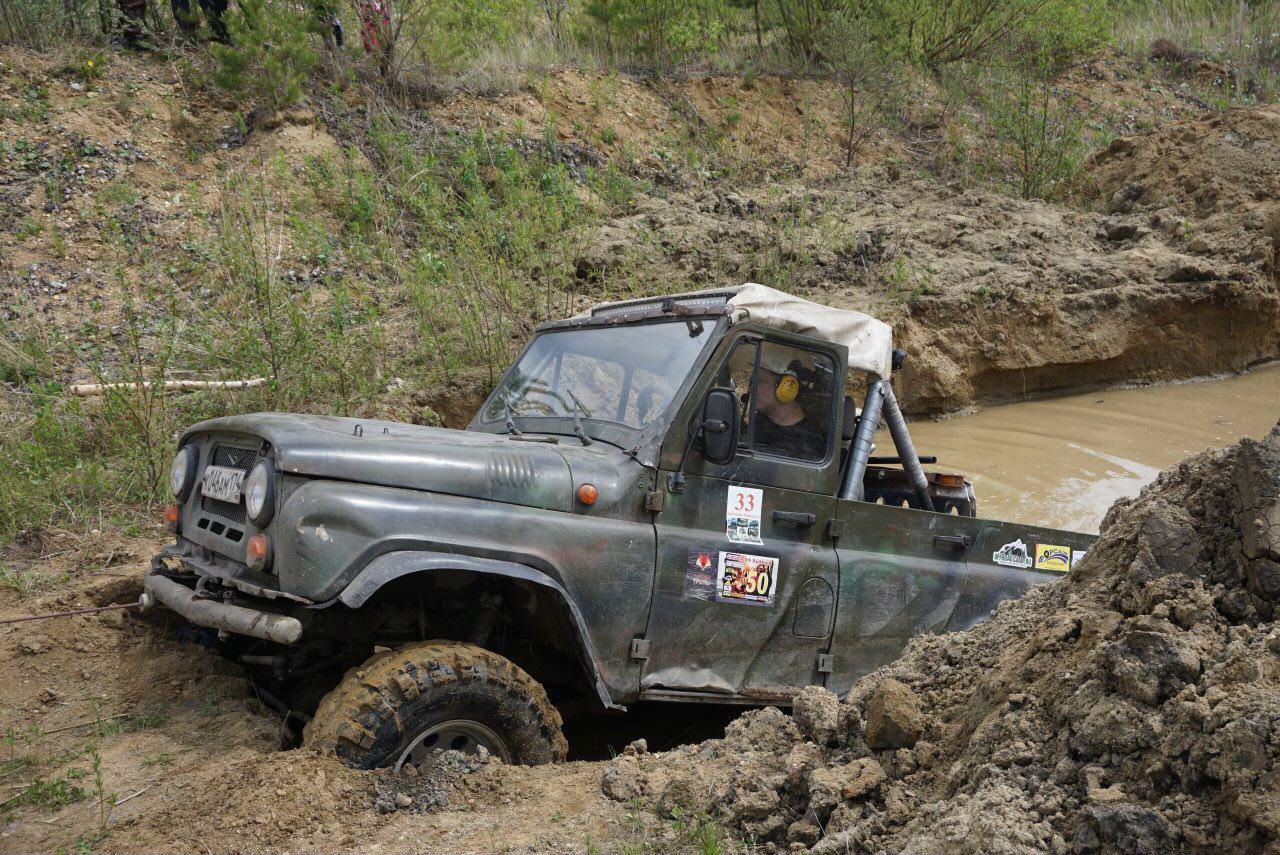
x,y
626,375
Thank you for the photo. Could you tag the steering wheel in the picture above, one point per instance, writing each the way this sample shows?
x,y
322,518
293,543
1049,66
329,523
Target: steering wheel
x,y
647,398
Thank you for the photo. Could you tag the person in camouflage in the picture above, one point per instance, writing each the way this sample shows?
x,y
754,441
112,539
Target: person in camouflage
x,y
213,12
130,33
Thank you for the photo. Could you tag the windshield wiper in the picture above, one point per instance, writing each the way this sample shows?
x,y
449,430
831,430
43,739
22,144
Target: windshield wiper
x,y
511,417
577,423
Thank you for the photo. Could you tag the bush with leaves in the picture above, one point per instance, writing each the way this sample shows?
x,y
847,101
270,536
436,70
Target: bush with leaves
x,y
662,31
936,33
1037,141
270,54
868,77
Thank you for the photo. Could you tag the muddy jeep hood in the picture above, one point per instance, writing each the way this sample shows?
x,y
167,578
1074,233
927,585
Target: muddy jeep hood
x,y
393,454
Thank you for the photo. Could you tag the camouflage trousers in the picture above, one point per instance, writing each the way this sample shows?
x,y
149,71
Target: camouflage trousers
x,y
132,13
213,12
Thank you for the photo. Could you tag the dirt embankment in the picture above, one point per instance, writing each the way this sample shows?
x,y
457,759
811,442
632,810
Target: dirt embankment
x,y
1132,708
1174,274
1167,271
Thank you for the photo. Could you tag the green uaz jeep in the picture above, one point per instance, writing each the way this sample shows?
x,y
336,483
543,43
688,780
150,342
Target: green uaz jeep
x,y
669,499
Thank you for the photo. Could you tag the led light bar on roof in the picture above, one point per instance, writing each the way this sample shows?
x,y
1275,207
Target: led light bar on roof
x,y
700,302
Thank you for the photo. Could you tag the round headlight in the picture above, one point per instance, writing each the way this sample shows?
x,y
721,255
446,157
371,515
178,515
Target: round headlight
x,y
259,494
183,472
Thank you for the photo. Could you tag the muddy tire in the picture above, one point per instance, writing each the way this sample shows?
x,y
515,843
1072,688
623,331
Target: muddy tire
x,y
381,708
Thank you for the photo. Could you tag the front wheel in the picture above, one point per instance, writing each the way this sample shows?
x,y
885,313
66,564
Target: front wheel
x,y
401,705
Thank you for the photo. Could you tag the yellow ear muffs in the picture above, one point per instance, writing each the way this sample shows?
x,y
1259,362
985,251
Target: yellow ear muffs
x,y
787,389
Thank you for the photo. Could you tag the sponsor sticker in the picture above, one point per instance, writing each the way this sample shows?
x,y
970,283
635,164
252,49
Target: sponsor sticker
x,y
700,575
1013,554
1054,558
1078,556
747,579
742,515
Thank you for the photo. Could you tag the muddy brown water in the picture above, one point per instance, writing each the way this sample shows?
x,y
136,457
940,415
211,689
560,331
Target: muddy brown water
x,y
1062,462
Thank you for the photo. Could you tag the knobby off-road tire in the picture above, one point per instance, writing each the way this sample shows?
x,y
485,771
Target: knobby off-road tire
x,y
380,707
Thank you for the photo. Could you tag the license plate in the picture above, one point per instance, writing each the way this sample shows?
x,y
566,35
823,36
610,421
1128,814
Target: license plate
x,y
223,483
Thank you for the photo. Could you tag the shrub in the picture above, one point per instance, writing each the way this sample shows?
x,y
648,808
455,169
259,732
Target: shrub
x,y
1037,139
270,54
939,32
868,78
50,23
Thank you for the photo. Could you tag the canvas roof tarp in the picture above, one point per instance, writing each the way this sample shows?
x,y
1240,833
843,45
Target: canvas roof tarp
x,y
870,341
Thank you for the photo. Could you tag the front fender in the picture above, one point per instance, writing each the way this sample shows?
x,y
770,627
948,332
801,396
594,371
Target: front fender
x,y
393,565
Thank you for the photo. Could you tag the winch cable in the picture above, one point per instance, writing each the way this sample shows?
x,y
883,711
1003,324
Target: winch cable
x,y
136,605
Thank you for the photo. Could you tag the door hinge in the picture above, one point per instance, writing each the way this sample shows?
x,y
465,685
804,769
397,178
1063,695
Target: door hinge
x,y
653,500
835,528
825,663
640,649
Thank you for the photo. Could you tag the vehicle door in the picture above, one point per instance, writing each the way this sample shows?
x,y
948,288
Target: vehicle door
x,y
902,573
746,573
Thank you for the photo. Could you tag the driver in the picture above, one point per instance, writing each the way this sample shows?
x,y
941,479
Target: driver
x,y
782,426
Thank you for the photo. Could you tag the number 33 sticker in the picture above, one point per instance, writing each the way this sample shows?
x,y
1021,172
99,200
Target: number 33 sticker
x,y
742,514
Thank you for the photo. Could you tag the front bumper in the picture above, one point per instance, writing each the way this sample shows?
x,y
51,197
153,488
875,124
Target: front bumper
x,y
201,611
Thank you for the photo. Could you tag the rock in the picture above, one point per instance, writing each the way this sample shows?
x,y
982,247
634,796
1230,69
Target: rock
x,y
1118,231
894,716
1185,269
816,711
804,832
1150,666
1132,830
403,800
831,785
622,779
636,748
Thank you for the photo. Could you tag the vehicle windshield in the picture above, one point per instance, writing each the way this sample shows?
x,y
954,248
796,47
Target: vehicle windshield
x,y
627,375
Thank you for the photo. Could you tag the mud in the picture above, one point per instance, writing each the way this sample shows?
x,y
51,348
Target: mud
x,y
1062,462
1131,708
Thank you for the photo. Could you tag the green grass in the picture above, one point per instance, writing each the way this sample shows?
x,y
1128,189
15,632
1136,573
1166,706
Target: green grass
x,y
1243,35
23,581
53,793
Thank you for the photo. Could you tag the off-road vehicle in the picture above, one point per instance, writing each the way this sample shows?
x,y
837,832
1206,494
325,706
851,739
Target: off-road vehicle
x,y
668,499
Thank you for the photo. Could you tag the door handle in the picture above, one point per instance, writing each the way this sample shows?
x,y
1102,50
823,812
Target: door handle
x,y
795,518
952,541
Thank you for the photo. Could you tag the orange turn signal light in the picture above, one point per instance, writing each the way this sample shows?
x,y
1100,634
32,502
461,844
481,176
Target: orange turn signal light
x,y
948,479
587,494
257,552
171,517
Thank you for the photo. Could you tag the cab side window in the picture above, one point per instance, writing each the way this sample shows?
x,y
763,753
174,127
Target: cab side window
x,y
787,394
791,403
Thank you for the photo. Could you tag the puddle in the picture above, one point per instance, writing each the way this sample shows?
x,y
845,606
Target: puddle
x,y
1062,462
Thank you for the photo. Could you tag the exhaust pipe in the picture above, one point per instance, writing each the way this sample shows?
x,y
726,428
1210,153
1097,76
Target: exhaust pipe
x,y
906,448
863,442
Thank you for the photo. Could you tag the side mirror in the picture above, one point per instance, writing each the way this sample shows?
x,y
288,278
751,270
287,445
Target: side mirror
x,y
720,420
721,416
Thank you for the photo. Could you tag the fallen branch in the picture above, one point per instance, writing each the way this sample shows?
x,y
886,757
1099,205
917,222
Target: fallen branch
x,y
84,723
86,390
134,796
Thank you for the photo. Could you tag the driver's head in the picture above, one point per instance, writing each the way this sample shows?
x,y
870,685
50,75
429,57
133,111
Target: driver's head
x,y
779,385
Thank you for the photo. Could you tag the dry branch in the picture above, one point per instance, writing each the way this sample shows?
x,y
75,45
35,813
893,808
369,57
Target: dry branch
x,y
85,390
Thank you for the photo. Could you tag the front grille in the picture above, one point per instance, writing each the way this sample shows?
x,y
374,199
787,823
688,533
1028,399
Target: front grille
x,y
237,458
226,510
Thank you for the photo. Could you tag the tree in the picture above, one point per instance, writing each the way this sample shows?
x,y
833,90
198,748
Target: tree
x,y
867,76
